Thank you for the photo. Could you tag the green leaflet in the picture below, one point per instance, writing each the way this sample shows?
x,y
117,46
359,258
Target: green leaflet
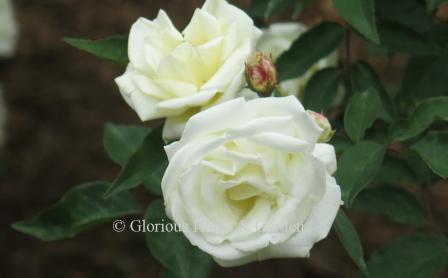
x,y
361,15
121,141
398,38
433,149
79,209
350,240
416,256
147,164
113,48
322,89
308,49
360,113
357,166
172,249
394,202
425,114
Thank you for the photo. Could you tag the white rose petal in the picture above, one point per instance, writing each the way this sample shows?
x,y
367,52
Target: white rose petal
x,y
249,181
173,73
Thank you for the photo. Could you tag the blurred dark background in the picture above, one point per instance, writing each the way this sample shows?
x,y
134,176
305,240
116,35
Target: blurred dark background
x,y
58,99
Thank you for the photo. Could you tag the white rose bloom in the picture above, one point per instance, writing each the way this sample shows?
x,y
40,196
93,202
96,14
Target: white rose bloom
x,y
176,75
8,29
248,181
277,39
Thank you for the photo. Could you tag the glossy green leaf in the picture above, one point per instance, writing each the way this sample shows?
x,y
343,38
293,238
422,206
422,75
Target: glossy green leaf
x,y
299,7
165,273
439,34
394,202
257,8
322,88
416,256
172,249
424,175
357,166
362,110
148,163
361,15
308,49
276,6
79,209
433,149
394,171
340,143
427,112
350,240
121,141
398,38
363,77
425,77
375,50
114,48
409,13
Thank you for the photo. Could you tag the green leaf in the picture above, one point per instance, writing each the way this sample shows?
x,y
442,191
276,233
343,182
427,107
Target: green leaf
x,y
167,274
375,50
409,13
357,166
439,34
427,112
276,6
114,48
148,163
308,49
425,77
299,7
362,110
257,8
121,141
396,203
394,171
172,249
79,209
424,175
399,38
364,77
340,144
350,240
322,88
361,15
433,149
416,256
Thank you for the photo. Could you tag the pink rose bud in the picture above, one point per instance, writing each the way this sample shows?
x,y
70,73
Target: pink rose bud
x,y
323,123
261,75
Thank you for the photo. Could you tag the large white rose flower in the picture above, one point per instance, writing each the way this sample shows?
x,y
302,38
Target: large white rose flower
x,y
175,75
277,39
8,29
248,181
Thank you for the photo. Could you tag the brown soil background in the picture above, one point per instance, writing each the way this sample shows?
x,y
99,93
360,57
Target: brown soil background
x,y
58,100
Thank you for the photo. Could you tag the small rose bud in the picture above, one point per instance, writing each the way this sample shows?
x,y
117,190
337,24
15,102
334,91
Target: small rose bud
x,y
323,123
261,75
